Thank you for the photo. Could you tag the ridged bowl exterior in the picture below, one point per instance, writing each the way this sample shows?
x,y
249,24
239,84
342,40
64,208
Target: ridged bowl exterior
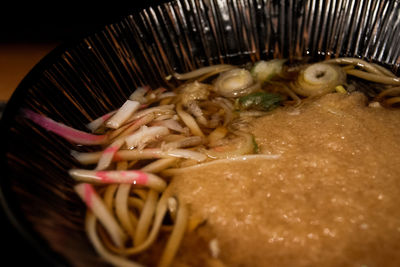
x,y
79,82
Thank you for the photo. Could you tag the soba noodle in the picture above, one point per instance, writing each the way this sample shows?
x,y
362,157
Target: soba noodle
x,y
156,135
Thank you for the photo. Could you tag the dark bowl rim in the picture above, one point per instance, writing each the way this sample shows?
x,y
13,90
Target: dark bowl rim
x,y
8,200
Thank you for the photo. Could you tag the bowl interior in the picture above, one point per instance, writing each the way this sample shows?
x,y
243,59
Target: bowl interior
x,y
82,81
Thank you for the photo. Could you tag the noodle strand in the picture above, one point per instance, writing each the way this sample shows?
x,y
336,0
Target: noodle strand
x,y
374,77
176,236
122,208
189,121
145,218
90,225
97,206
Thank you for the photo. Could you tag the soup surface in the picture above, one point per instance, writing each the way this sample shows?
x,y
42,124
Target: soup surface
x,y
329,197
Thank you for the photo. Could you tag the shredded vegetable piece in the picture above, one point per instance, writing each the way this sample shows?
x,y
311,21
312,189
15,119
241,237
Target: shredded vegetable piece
x,y
173,125
97,123
108,154
139,94
123,114
144,135
121,177
71,134
132,127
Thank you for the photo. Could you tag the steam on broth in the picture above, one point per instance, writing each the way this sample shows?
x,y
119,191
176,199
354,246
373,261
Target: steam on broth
x,y
275,163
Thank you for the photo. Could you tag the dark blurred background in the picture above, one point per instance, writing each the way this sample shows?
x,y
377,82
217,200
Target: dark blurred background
x,y
52,25
27,33
61,21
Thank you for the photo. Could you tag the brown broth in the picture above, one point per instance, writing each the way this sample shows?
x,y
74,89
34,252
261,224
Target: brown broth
x,y
330,199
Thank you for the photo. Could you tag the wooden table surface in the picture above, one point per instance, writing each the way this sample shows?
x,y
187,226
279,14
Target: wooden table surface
x,y
16,60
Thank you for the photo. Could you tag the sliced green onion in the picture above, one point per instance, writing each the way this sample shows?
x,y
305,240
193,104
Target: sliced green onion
x,y
256,149
340,89
262,101
319,79
235,83
265,70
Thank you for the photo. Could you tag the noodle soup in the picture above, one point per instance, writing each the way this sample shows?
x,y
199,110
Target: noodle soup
x,y
277,164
